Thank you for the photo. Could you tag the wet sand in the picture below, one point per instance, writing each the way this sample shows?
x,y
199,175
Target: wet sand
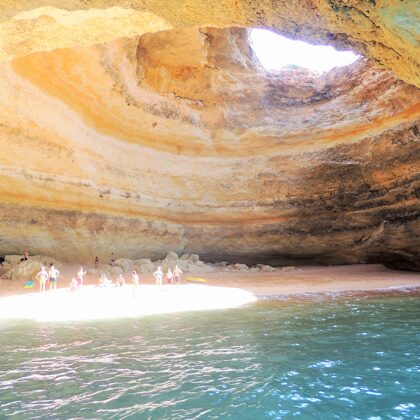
x,y
315,279
310,279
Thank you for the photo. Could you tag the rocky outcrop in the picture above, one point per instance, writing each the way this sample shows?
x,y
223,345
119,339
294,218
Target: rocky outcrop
x,y
188,263
179,140
15,269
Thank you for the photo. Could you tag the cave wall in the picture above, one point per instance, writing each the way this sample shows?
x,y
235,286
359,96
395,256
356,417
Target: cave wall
x,y
385,30
179,140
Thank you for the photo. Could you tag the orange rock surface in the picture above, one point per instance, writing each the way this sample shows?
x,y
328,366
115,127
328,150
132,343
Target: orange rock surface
x,y
179,140
386,30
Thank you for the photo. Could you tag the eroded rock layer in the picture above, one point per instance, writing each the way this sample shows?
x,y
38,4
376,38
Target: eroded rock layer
x,y
386,30
180,141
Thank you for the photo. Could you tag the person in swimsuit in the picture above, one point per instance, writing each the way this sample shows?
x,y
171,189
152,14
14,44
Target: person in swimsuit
x,y
120,280
158,275
53,273
136,280
102,280
177,274
25,256
73,285
169,276
96,262
42,277
80,276
112,263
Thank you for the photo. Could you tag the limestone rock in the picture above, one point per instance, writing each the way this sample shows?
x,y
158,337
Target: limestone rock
x,y
26,270
12,259
240,267
178,139
289,268
115,271
144,266
6,266
194,258
171,258
385,31
198,269
125,264
266,268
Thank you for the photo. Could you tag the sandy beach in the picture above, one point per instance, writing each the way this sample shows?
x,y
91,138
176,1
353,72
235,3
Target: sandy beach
x,y
309,279
220,290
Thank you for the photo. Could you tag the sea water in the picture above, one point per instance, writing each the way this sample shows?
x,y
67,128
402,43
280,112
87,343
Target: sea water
x,y
342,357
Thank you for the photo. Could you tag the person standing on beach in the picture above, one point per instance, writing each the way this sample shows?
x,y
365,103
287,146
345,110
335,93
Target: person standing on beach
x,y
169,276
177,274
120,280
136,280
158,275
96,262
53,273
112,263
42,277
80,276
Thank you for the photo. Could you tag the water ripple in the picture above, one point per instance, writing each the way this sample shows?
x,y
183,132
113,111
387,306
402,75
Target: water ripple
x,y
357,359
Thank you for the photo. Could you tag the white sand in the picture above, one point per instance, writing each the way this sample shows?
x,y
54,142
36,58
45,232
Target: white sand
x,y
103,303
221,290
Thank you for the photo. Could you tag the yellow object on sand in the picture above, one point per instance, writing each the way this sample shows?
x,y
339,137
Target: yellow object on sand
x,y
196,279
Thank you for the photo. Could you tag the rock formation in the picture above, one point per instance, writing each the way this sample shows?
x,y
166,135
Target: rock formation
x,y
386,30
179,140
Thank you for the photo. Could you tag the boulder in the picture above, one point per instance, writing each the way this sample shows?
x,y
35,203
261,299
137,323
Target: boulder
x,y
183,265
172,256
156,264
6,266
26,270
198,269
12,259
125,264
220,264
46,260
289,268
200,263
115,270
266,268
241,267
194,258
144,265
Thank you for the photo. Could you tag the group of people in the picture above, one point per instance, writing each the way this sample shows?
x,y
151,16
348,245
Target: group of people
x,y
172,276
47,276
51,275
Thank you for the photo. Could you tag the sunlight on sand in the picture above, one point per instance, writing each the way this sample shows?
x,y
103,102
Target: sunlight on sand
x,y
114,302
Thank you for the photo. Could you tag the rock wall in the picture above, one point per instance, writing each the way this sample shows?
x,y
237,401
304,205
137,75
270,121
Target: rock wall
x,y
180,141
386,30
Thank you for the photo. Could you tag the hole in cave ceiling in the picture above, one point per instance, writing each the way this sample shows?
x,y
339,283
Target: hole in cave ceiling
x,y
275,52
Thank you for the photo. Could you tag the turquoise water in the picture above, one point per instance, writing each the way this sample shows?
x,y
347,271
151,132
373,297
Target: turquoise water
x,y
322,357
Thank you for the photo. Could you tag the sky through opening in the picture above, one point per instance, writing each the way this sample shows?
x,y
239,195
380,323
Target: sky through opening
x,y
275,51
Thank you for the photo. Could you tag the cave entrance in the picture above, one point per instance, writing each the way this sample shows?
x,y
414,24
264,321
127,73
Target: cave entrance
x,y
275,52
